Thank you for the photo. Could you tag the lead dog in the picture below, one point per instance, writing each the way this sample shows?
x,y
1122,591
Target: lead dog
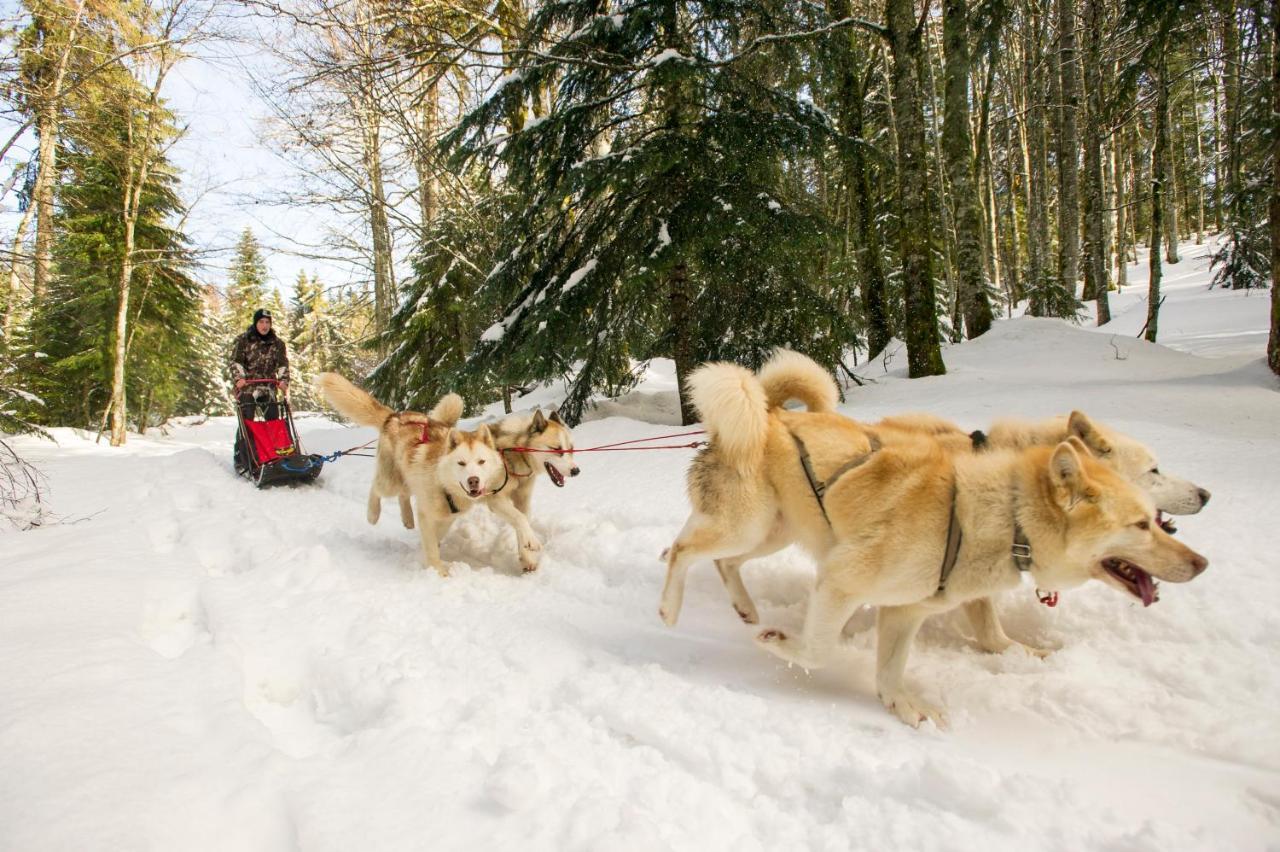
x,y
444,470
915,529
531,445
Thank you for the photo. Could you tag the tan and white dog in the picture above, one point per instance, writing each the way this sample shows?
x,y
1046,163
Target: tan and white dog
x,y
444,470
885,534
531,445
788,376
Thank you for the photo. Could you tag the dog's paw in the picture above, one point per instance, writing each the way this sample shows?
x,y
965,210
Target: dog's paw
x,y
747,614
1033,650
912,710
442,568
531,544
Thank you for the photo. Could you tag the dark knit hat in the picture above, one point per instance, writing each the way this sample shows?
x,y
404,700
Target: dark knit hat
x,y
261,313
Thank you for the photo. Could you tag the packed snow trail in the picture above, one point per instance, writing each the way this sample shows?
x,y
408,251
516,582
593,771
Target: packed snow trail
x,y
189,663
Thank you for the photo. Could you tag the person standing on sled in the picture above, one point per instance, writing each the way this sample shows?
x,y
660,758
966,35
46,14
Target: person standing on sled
x,y
258,354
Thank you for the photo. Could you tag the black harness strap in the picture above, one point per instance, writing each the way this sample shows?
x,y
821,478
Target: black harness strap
x,y
979,440
952,552
453,507
820,489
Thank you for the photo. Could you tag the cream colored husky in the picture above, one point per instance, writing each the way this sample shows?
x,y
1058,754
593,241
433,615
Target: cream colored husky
x,y
444,470
912,527
545,447
712,531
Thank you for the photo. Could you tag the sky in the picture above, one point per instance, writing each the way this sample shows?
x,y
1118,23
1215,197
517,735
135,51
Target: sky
x,y
229,174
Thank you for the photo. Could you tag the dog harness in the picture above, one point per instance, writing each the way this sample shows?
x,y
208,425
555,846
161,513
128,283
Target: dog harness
x,y
820,489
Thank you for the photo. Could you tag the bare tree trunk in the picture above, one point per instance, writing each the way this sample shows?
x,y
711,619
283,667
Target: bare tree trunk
x,y
680,301
48,120
15,282
1068,152
384,288
118,405
1197,168
1159,158
924,355
1038,241
851,92
1170,188
1273,342
958,145
1120,153
1095,212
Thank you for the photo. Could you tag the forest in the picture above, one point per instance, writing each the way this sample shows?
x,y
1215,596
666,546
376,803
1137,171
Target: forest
x,y
567,191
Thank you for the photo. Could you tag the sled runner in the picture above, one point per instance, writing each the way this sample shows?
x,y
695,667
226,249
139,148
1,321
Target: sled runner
x,y
268,451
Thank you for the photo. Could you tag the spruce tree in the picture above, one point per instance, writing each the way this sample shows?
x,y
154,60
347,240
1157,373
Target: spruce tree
x,y
653,211
246,281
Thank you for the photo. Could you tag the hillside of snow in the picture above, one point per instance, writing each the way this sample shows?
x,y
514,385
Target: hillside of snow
x,y
188,663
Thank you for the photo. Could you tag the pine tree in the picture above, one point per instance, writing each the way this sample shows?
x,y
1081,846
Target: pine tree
x,y
654,215
246,281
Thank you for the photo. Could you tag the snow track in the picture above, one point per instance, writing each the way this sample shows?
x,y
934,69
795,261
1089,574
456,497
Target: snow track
x,y
197,665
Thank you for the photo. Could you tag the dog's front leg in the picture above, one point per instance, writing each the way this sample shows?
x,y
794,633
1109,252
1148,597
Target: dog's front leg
x,y
406,512
375,505
989,632
527,539
829,609
430,535
897,627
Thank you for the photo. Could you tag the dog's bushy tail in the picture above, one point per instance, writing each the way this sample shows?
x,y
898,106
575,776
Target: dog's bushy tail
x,y
734,409
351,401
790,375
448,410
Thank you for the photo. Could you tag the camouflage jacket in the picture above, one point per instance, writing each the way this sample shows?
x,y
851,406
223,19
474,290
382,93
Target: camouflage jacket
x,y
256,357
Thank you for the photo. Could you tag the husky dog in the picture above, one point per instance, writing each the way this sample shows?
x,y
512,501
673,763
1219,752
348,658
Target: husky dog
x,y
792,376
547,448
912,528
445,470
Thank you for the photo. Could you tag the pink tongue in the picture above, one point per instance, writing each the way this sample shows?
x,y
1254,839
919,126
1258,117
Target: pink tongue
x,y
1145,587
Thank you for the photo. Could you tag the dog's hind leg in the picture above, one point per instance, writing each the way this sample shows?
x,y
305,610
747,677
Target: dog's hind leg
x,y
829,609
730,570
406,512
989,632
703,537
896,629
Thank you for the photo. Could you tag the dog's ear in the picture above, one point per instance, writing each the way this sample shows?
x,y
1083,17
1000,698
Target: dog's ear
x,y
1079,446
1071,483
1079,425
483,434
452,443
555,417
539,420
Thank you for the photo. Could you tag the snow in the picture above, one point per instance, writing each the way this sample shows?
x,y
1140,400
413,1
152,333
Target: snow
x,y
198,665
669,55
575,277
494,333
664,239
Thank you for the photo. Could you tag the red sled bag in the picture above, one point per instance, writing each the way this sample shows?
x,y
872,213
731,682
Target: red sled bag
x,y
270,439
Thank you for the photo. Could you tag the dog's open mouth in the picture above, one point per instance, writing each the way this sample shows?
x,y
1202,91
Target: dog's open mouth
x,y
1165,524
556,476
475,493
1139,583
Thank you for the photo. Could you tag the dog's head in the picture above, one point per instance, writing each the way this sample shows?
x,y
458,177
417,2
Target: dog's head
x,y
1110,531
471,460
1136,463
552,445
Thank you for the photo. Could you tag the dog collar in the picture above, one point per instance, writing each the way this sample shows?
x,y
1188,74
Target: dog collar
x,y
1023,559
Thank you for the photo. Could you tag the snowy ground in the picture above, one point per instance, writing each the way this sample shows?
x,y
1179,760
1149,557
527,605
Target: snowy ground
x,y
188,663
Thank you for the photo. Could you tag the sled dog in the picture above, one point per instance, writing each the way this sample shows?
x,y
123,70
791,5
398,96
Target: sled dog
x,y
548,448
711,532
445,470
910,527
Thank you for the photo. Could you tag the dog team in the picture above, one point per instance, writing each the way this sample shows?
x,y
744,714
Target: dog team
x,y
911,515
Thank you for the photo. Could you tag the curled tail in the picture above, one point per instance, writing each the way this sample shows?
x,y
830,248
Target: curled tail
x,y
790,375
448,410
351,401
734,409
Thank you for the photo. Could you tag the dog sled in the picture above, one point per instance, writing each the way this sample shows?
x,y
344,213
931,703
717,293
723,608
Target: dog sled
x,y
267,450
